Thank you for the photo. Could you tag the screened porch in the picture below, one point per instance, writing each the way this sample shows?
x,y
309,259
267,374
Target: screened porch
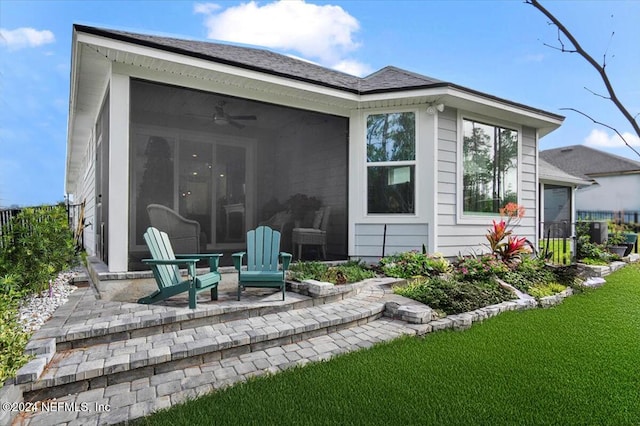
x,y
230,164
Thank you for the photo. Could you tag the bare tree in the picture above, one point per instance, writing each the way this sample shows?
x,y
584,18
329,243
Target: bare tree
x,y
600,68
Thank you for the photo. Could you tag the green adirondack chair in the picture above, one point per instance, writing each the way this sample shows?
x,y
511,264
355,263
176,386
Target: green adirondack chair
x,y
263,254
165,270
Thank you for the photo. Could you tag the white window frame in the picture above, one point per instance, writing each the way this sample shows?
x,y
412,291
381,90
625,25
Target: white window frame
x,y
477,218
413,163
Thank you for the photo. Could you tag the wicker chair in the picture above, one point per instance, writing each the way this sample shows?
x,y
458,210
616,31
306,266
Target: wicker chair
x,y
184,234
314,236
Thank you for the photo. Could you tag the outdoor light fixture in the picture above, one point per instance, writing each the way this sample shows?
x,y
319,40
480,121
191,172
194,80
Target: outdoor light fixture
x,y
433,107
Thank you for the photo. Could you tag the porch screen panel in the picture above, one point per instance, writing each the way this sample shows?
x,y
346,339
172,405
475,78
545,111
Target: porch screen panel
x,y
232,164
229,174
195,188
153,177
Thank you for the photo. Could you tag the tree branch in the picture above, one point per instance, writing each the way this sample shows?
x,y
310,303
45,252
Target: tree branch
x,y
596,94
600,69
605,125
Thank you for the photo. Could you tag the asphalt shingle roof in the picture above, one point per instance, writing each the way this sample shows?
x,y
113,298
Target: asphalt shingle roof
x,y
585,162
396,78
388,79
550,172
245,57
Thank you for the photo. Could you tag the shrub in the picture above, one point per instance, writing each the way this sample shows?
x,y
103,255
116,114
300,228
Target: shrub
x,y
594,261
586,249
10,285
12,339
452,296
538,279
40,246
529,273
479,268
350,272
567,275
544,290
301,271
414,264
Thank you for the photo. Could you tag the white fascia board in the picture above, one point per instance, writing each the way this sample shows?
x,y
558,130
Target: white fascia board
x,y
73,80
552,180
236,71
80,122
461,99
375,98
453,97
546,121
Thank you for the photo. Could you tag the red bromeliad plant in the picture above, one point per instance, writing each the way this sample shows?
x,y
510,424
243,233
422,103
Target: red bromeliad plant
x,y
502,243
497,234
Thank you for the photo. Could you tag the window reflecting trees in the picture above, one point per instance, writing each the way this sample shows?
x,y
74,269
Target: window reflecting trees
x,y
490,167
391,154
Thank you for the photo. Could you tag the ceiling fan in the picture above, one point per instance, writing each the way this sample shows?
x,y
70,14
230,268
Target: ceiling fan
x,y
221,118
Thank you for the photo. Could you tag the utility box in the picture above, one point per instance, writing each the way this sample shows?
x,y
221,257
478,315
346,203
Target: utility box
x,y
598,232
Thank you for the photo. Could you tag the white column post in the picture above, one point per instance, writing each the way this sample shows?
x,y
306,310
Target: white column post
x,y
119,173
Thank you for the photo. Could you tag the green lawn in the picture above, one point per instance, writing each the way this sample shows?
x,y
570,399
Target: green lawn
x,y
577,363
561,250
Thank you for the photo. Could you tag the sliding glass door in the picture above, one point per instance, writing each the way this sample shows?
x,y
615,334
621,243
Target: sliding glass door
x,y
208,181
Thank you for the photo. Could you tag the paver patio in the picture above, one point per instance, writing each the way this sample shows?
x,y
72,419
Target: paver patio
x,y
105,362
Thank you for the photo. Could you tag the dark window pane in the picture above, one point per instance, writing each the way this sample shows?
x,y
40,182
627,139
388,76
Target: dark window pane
x,y
391,189
391,137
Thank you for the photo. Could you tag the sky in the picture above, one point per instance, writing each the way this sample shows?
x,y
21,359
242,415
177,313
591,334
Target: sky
x,y
504,48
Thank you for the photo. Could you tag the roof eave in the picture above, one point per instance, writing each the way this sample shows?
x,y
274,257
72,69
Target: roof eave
x,y
615,173
554,120
557,180
72,95
197,55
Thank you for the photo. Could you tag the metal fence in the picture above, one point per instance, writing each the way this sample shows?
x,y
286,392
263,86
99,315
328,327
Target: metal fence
x,y
557,242
628,217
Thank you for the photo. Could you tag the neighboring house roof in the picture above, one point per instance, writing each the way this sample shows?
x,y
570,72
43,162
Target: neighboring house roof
x,y
551,174
388,79
587,163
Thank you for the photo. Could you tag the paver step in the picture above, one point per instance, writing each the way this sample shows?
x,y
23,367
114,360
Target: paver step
x,y
134,397
129,320
104,364
130,376
97,321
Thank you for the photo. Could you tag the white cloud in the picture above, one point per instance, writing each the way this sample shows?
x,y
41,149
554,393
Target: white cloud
x,y
25,37
533,57
353,67
206,8
321,32
601,138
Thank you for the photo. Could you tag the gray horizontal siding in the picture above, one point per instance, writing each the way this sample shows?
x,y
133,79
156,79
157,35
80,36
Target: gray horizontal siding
x,y
369,238
454,238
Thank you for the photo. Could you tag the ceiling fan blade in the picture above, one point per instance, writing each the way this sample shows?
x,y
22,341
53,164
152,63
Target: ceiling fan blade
x,y
242,117
236,124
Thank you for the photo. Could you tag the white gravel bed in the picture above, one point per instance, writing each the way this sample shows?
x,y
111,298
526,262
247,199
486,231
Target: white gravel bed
x,y
36,309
